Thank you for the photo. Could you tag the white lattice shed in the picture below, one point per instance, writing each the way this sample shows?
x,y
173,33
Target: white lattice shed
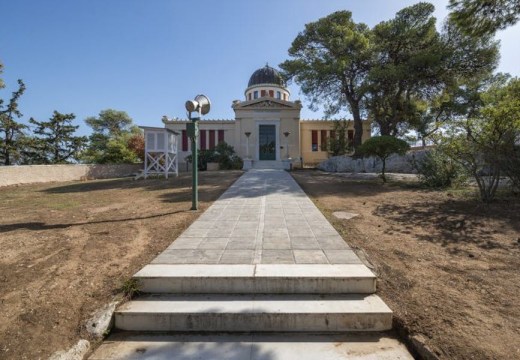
x,y
160,146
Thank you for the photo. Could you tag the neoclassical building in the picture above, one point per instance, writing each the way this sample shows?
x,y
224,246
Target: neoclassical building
x,y
267,128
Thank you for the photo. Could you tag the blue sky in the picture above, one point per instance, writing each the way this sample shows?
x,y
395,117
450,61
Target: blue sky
x,y
148,57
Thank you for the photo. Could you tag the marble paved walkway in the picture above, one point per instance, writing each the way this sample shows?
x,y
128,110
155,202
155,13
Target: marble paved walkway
x,y
263,218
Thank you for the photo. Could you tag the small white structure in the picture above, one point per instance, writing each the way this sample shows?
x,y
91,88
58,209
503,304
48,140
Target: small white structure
x,y
160,146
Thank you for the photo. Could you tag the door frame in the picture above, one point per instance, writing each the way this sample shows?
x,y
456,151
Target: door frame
x,y
276,136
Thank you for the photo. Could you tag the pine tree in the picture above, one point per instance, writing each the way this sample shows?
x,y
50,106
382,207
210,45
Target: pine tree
x,y
55,142
10,129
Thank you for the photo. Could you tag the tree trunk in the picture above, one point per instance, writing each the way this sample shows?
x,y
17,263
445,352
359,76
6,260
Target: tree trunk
x,y
383,170
358,125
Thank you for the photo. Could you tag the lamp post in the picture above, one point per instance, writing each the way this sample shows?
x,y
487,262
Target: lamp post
x,y
200,106
247,134
286,134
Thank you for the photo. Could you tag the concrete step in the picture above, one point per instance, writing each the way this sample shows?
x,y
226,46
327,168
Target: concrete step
x,y
255,313
268,164
279,346
261,278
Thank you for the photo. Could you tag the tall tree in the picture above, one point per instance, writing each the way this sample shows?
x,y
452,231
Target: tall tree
x,y
55,142
466,61
112,131
10,129
331,60
408,68
484,17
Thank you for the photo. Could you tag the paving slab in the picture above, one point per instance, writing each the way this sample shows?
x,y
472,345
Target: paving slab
x,y
281,346
263,218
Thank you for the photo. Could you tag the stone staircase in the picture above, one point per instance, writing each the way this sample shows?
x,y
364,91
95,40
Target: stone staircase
x,y
255,298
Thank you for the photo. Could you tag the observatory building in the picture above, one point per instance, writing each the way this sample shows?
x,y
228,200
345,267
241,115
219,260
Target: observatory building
x,y
267,128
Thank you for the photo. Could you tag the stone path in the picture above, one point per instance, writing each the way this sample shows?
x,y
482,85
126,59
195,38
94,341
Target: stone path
x,y
254,277
263,218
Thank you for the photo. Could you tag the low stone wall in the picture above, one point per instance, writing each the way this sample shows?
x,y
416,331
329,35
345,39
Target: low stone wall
x,y
394,164
26,174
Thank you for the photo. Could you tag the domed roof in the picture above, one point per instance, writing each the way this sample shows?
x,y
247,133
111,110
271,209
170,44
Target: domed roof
x,y
266,75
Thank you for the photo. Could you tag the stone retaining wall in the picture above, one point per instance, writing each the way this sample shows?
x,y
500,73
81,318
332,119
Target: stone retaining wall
x,y
26,174
394,164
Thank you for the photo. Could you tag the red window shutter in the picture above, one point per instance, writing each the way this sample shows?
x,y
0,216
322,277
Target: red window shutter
x,y
203,139
220,136
271,93
350,134
211,139
184,141
262,93
324,140
314,140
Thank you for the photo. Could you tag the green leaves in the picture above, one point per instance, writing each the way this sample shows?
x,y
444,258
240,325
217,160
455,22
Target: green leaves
x,y
484,17
55,142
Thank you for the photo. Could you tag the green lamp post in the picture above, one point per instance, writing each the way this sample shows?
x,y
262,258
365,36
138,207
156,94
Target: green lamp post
x,y
200,106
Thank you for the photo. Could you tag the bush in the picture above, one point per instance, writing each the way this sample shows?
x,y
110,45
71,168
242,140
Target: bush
x,y
223,153
510,165
436,170
382,147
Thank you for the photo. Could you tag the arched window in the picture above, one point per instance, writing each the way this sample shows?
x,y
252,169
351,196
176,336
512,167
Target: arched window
x,y
256,94
262,94
271,93
278,95
249,96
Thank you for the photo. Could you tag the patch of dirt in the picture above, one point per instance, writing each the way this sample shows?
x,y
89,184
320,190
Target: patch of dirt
x,y
448,265
67,248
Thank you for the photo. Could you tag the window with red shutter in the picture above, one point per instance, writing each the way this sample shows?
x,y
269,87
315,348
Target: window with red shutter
x,y
211,139
271,93
202,135
220,136
323,140
262,93
184,141
314,140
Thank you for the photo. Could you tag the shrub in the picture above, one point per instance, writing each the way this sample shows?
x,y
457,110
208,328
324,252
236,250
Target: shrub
x,y
382,147
436,170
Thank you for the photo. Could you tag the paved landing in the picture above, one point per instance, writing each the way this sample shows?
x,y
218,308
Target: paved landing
x,y
263,218
253,347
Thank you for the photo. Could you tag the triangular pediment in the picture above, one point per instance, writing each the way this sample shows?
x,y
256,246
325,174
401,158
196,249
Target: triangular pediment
x,y
265,104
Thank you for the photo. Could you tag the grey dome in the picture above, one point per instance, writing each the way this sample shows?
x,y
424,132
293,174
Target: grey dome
x,y
266,75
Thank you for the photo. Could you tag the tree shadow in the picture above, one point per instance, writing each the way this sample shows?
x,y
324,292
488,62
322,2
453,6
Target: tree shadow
x,y
37,226
235,346
454,221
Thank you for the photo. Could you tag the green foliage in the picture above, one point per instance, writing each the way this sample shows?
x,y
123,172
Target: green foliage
x,y
110,122
224,154
113,139
331,60
484,141
402,73
382,147
55,142
436,170
11,130
338,144
226,157
484,17
130,288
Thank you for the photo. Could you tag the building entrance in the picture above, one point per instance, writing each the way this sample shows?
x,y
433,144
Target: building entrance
x,y
267,142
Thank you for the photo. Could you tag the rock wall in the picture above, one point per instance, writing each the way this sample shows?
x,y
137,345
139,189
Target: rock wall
x,y
394,164
26,174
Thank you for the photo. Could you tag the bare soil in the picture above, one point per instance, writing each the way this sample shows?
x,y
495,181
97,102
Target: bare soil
x,y
448,265
66,249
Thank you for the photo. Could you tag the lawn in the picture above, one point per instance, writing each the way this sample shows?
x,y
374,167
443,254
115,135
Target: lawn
x,y
67,248
448,265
